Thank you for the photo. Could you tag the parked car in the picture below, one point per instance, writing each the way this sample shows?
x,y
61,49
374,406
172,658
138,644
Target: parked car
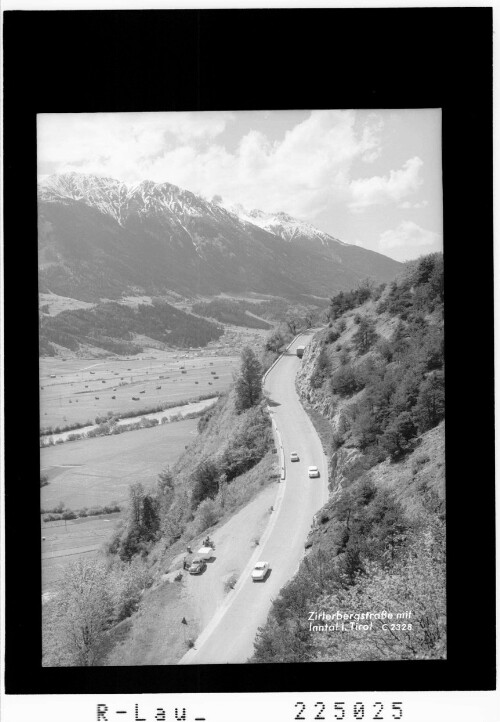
x,y
197,566
294,456
206,552
313,471
260,571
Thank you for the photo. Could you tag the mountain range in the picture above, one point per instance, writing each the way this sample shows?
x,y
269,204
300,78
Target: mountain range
x,y
102,239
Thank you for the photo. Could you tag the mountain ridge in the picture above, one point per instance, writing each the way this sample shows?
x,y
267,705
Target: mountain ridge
x,y
101,238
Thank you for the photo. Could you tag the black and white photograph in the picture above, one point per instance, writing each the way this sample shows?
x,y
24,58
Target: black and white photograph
x,y
241,387
248,350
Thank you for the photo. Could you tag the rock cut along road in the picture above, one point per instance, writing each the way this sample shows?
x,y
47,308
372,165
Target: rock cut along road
x,y
229,636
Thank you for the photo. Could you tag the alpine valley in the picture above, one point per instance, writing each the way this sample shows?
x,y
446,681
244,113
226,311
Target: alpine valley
x,y
101,241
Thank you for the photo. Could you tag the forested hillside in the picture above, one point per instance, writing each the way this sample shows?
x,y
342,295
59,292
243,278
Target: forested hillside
x,y
376,374
232,311
112,326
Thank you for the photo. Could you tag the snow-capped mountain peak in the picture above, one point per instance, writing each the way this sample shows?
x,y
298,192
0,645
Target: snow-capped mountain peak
x,y
119,200
289,228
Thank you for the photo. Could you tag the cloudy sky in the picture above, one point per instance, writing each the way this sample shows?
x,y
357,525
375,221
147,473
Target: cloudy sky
x,y
372,178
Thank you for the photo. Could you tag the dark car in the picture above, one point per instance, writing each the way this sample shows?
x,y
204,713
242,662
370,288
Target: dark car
x,y
197,566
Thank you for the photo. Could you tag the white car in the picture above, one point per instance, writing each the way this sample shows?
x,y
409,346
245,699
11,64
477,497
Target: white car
x,y
260,571
294,456
313,471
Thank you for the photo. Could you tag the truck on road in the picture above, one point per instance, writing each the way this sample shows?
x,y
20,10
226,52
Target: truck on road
x,y
300,351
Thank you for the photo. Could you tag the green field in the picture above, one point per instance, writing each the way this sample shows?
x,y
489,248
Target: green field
x,y
64,542
99,471
95,472
70,397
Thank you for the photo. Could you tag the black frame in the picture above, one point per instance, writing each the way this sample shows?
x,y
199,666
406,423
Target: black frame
x,y
70,61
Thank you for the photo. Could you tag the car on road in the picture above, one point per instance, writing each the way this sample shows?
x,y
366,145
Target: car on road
x,y
197,566
294,456
260,570
313,471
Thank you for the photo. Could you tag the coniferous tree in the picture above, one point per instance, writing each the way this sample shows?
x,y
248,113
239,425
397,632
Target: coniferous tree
x,y
365,336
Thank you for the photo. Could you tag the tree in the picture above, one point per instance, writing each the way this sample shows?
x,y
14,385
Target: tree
x,y
150,519
165,490
206,482
143,524
248,384
309,319
85,608
429,409
365,428
346,381
416,582
208,514
165,481
275,341
364,290
365,336
398,435
292,322
136,495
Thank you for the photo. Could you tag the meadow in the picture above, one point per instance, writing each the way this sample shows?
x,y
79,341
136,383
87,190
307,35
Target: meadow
x,y
95,472
76,390
64,542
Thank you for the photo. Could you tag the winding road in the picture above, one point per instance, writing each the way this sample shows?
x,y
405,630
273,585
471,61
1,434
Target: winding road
x,y
229,636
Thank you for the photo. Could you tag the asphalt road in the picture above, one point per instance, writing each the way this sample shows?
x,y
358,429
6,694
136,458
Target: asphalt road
x,y
229,636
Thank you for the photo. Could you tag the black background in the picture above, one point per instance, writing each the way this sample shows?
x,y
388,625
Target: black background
x,y
83,61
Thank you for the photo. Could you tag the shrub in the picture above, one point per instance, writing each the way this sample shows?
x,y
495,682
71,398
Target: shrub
x,y
207,514
346,381
344,357
332,336
127,582
44,480
398,435
52,517
206,482
385,349
275,341
365,336
322,369
74,437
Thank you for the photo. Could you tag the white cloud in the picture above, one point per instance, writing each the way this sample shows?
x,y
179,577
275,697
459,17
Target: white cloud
x,y
304,173
408,234
119,144
407,204
378,190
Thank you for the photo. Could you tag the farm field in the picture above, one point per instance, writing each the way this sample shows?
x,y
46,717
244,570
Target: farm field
x,y
67,542
94,472
77,390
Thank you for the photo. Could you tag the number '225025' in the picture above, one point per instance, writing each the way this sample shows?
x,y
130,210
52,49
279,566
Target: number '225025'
x,y
360,710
